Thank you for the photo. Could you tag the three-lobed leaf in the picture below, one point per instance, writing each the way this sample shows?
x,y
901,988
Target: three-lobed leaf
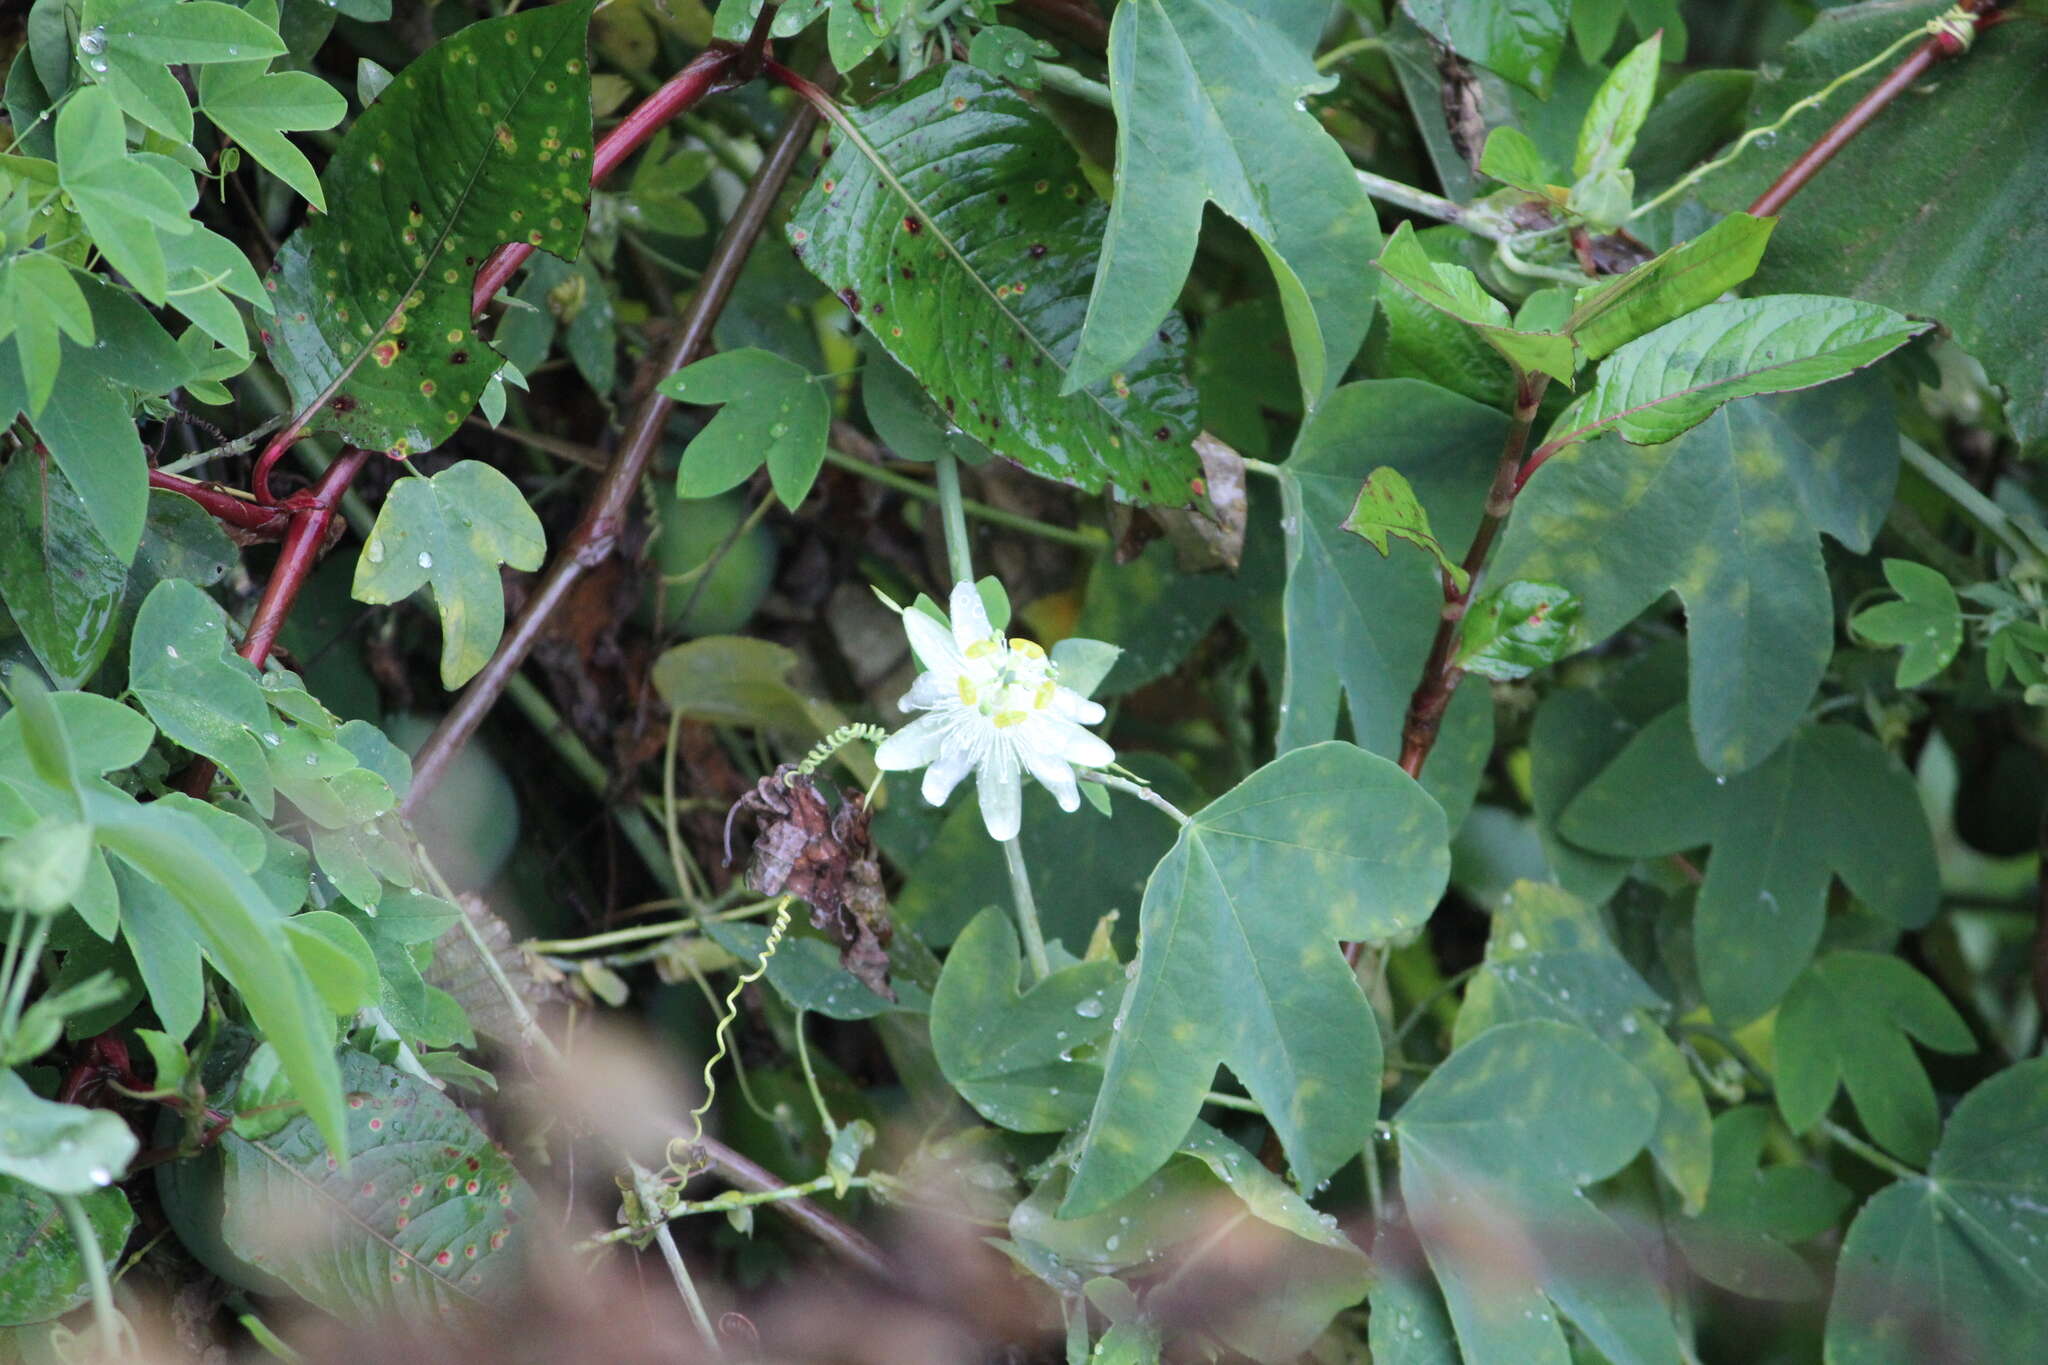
x,y
1233,969
775,412
1926,621
257,106
450,532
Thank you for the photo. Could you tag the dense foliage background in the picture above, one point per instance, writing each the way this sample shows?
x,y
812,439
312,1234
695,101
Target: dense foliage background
x,y
1557,553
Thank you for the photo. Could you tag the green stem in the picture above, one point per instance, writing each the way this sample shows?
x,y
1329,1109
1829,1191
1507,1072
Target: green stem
x,y
1027,910
24,973
1350,49
736,1199
687,1287
103,1314
803,1056
1068,81
1081,538
1422,201
954,517
640,933
1137,789
1969,501
1881,1160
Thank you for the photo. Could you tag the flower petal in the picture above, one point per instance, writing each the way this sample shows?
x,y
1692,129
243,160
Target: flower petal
x,y
970,618
915,745
1001,789
952,765
1071,705
1077,746
931,642
1054,775
929,691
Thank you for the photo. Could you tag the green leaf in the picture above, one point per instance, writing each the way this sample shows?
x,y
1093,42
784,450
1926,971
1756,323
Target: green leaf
x,y
856,28
776,412
336,959
1231,970
1972,253
451,532
257,106
1830,801
1208,99
1727,516
426,1220
1549,957
1455,290
1387,506
42,1272
1662,384
1926,621
1847,1021
1512,157
954,220
1575,735
483,140
126,201
39,299
43,869
1739,1240
1500,1142
1359,626
1521,40
1010,53
197,691
61,1148
1010,1054
1688,276
1605,188
128,45
1946,1267
807,973
160,937
60,581
239,929
1515,629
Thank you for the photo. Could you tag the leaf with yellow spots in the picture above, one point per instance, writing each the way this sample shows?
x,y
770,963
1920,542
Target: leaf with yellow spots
x,y
1497,1147
425,1220
483,140
1831,802
1549,957
1729,516
451,532
954,222
1238,964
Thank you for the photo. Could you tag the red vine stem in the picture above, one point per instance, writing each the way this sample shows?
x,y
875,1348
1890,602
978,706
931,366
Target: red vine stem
x,y
303,544
1439,678
596,535
238,512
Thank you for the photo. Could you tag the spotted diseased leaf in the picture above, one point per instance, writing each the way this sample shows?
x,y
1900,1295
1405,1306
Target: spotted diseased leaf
x,y
426,1219
1829,802
1455,290
1208,98
1688,276
1847,1021
1497,1147
1550,957
1011,1053
451,532
775,411
1727,515
1661,385
1926,621
483,140
953,219
42,1271
1520,39
1233,969
1517,628
1948,1267
1387,506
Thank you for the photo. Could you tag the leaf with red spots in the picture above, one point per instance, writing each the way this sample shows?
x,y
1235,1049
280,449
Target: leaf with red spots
x,y
424,1219
953,220
484,140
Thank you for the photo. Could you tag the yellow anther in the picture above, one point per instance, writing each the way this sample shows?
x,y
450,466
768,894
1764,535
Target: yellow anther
x,y
1005,719
1028,648
981,649
967,694
1042,698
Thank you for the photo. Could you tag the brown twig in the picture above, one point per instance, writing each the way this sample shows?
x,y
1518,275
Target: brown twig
x,y
1938,48
737,1170
596,535
1440,676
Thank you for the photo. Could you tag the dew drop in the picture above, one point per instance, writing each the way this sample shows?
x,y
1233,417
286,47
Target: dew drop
x,y
100,1175
426,560
1090,1008
99,65
171,650
1113,1242
376,552
94,43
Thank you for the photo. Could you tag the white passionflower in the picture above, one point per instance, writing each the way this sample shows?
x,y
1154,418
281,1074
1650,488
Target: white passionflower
x,y
994,707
